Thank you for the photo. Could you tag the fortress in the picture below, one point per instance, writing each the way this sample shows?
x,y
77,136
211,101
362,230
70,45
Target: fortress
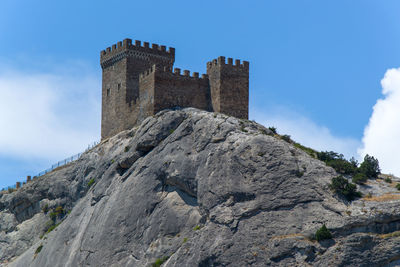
x,y
138,81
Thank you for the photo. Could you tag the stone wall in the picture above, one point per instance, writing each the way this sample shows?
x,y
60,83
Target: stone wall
x,y
173,89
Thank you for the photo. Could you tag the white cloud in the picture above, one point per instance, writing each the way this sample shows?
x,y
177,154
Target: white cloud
x,y
48,115
307,132
382,134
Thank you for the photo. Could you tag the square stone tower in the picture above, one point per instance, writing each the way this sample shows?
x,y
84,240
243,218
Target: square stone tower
x,y
229,86
122,63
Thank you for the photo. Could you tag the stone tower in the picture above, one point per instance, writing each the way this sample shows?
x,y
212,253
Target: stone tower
x,y
139,81
229,86
121,66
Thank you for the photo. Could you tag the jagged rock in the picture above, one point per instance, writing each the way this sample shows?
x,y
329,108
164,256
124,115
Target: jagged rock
x,y
197,189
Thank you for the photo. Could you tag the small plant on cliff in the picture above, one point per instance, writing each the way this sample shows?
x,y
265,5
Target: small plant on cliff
x,y
53,215
50,226
299,173
196,228
273,130
338,162
308,150
359,178
91,182
60,211
160,261
323,233
126,149
398,186
286,138
342,186
388,180
39,248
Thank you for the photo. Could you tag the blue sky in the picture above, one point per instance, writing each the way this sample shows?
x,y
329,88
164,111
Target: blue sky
x,y
315,68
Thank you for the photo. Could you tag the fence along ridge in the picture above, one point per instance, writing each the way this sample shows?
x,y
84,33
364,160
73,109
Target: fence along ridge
x,y
53,167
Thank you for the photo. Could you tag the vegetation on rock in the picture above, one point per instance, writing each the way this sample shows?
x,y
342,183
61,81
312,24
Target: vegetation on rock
x,y
160,261
39,248
91,182
342,186
359,178
370,167
323,233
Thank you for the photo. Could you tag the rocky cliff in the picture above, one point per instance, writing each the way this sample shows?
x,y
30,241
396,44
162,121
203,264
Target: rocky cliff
x,y
192,188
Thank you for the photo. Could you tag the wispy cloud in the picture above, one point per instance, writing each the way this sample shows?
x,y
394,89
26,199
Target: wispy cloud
x,y
307,132
382,134
48,115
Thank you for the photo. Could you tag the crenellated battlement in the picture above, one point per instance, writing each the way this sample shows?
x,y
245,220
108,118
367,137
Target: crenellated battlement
x,y
175,73
221,61
139,80
126,48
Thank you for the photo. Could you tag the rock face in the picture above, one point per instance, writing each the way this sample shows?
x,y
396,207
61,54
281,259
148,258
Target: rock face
x,y
193,188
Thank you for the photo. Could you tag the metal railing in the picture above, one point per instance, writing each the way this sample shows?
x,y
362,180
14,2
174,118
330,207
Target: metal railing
x,y
55,166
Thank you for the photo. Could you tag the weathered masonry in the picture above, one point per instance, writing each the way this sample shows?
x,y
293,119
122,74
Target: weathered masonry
x,y
139,81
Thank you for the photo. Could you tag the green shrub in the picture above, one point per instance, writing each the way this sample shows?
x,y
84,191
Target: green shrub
x,y
197,227
51,228
342,166
354,162
160,261
388,180
398,186
126,149
185,240
308,150
273,130
329,155
341,186
359,178
91,182
53,215
299,173
338,162
59,210
39,248
323,233
370,167
286,138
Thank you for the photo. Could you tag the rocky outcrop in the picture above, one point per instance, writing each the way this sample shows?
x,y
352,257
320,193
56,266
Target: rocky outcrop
x,y
192,188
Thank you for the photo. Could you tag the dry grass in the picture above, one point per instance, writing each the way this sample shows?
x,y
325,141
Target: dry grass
x,y
390,235
383,198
